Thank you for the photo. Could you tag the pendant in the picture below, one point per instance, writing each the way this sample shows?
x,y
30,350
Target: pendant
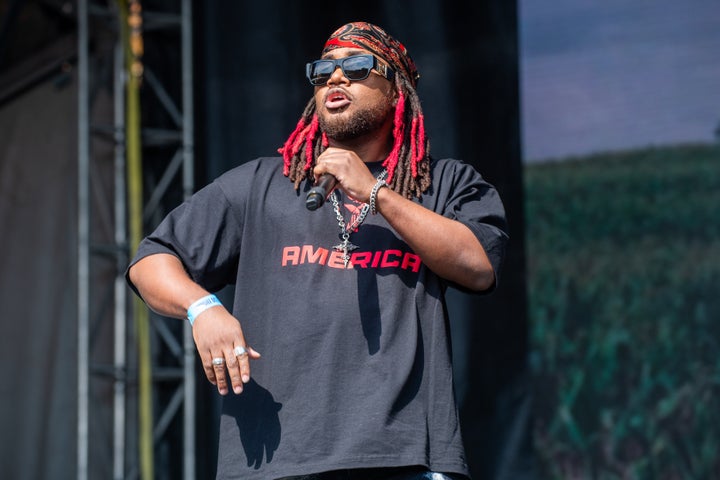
x,y
345,247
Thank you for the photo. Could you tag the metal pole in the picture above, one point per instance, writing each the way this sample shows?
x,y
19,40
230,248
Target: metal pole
x,y
121,242
83,242
188,186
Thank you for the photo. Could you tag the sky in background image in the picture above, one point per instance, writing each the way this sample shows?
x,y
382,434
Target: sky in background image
x,y
603,75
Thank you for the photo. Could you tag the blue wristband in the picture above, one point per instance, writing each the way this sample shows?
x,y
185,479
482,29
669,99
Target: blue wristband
x,y
199,306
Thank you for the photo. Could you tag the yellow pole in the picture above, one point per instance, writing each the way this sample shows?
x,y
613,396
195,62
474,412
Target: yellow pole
x,y
132,46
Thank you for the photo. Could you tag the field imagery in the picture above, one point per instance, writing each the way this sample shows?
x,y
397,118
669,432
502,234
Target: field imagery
x,y
624,304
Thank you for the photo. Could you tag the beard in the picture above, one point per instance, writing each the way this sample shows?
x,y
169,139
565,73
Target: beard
x,y
361,122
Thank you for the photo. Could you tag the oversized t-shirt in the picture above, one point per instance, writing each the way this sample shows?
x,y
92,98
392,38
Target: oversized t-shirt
x,y
356,366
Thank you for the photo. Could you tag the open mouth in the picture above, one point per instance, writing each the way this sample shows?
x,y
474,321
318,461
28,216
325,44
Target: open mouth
x,y
336,99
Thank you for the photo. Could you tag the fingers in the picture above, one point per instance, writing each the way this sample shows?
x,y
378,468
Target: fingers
x,y
218,368
230,369
334,161
222,348
238,368
209,370
352,174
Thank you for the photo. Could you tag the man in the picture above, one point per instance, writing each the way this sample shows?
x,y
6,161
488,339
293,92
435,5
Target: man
x,y
346,303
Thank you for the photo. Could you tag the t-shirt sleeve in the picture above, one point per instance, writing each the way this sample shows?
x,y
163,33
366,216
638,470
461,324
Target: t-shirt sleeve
x,y
204,232
476,204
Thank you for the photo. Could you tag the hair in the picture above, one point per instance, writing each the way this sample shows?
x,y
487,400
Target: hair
x,y
408,164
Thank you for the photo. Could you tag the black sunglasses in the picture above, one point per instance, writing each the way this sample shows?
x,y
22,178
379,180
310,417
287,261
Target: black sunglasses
x,y
355,67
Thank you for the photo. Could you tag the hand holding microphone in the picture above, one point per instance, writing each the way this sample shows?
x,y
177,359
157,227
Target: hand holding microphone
x,y
349,172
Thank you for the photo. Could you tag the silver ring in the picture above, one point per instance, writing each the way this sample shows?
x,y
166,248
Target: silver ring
x,y
239,351
218,361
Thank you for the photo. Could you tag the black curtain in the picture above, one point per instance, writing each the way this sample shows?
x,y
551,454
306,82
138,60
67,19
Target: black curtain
x,y
250,59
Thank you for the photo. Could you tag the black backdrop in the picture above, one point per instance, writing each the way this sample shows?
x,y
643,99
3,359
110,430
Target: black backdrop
x,y
250,92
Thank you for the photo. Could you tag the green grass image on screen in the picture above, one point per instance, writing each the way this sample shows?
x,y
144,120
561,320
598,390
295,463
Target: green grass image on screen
x,y
624,300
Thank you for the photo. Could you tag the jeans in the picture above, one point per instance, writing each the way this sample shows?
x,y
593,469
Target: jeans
x,y
395,473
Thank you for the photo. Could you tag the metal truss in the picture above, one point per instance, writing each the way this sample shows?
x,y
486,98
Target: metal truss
x,y
107,383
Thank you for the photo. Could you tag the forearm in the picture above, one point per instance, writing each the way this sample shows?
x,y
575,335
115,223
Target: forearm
x,y
164,285
446,246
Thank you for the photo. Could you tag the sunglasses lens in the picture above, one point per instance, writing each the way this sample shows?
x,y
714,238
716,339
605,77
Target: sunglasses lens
x,y
357,67
319,71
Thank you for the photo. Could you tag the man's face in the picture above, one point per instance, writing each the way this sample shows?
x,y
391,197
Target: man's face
x,y
351,109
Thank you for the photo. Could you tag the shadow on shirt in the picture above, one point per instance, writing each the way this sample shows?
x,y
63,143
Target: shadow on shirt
x,y
371,312
381,240
256,414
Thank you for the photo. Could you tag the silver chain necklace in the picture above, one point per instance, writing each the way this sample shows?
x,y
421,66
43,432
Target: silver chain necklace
x,y
345,230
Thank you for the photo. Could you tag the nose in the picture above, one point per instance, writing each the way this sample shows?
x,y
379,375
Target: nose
x,y
337,76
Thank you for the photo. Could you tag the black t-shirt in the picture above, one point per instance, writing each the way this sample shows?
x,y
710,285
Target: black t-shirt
x,y
356,368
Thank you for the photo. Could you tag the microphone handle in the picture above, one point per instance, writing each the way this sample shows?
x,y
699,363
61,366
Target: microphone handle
x,y
317,195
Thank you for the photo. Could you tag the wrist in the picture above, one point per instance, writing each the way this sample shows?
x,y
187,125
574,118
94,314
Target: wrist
x,y
200,305
374,194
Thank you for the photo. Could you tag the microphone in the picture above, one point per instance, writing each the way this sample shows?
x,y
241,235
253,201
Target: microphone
x,y
317,195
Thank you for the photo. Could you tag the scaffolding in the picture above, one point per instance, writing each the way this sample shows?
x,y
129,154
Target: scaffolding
x,y
171,387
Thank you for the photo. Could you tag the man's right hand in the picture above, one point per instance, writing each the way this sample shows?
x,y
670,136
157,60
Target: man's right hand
x,y
218,335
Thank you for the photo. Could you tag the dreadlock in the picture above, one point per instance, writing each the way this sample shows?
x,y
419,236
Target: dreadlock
x,y
408,163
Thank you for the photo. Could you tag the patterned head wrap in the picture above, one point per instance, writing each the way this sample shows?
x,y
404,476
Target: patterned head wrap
x,y
375,40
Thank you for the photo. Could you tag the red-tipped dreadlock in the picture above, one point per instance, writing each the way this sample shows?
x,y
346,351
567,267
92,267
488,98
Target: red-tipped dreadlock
x,y
408,163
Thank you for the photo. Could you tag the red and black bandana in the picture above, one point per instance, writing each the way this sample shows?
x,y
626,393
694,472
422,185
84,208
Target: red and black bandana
x,y
375,40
